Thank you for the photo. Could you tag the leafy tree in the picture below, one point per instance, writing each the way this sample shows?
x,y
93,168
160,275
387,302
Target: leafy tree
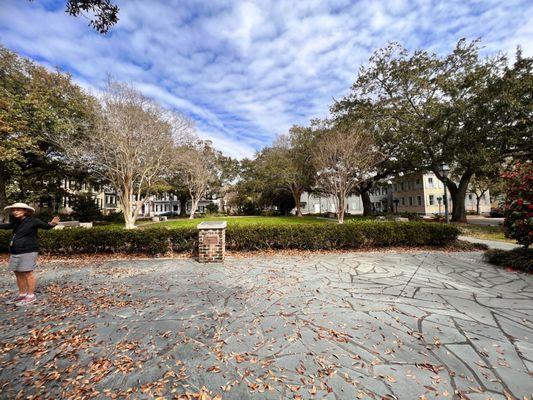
x,y
226,172
249,189
104,14
447,109
37,105
286,166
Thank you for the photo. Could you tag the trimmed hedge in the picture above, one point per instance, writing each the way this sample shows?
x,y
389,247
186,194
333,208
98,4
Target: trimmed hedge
x,y
351,235
519,258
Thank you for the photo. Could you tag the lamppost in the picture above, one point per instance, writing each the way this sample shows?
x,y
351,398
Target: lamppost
x,y
444,169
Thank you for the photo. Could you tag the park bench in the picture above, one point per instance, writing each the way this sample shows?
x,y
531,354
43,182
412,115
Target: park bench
x,y
73,224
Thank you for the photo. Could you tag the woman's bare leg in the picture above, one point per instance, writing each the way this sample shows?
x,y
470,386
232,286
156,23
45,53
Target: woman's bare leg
x,y
21,282
31,281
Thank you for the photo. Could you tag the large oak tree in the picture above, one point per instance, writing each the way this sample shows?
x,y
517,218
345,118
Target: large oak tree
x,y
458,109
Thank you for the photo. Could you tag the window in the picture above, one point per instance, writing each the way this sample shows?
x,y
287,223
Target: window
x,y
401,186
419,199
431,200
470,196
410,201
403,201
430,182
395,187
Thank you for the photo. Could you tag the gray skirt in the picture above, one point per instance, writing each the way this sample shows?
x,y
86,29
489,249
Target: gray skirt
x,y
25,262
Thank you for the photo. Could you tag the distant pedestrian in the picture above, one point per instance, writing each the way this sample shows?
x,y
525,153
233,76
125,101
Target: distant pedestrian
x,y
24,247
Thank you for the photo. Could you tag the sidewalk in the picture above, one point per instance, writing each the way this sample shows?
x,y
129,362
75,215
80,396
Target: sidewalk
x,y
493,244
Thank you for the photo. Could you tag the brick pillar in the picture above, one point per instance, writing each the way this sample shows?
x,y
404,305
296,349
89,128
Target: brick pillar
x,y
211,241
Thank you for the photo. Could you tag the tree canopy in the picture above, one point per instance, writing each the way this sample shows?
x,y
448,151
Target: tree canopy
x,y
37,104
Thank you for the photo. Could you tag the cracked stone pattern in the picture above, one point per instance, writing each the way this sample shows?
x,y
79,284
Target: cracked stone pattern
x,y
393,325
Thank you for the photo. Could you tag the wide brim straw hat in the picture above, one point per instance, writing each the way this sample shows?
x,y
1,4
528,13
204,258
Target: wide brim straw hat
x,y
21,206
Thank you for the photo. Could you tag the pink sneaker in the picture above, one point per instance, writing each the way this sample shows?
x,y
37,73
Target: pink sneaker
x,y
26,300
16,299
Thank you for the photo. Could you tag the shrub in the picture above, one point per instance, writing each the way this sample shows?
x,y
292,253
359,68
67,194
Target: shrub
x,y
351,235
86,209
518,223
117,217
211,208
521,258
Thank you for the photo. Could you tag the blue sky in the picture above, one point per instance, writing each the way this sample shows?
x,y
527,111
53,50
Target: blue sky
x,y
246,71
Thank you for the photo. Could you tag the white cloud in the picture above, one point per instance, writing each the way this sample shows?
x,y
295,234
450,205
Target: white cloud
x,y
247,70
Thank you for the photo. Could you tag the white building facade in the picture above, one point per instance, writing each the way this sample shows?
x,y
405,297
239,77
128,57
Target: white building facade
x,y
420,193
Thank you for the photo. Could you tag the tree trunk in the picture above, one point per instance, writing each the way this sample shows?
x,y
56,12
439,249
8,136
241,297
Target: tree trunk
x,y
125,200
458,194
340,211
367,204
129,220
297,200
478,201
183,206
194,205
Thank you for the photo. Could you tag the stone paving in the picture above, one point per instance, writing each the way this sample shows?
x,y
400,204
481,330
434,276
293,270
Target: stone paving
x,y
388,325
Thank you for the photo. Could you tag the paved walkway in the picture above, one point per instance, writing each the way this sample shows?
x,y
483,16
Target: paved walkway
x,y
481,220
492,244
389,325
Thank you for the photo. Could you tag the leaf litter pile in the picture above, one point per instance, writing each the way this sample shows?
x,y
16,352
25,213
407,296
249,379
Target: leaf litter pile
x,y
178,330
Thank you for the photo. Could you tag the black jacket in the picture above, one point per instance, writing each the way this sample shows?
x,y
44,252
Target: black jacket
x,y
25,234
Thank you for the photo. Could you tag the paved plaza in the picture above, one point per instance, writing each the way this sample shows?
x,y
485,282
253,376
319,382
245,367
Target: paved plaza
x,y
379,325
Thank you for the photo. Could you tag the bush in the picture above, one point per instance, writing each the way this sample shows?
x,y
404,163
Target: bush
x,y
518,223
351,235
211,208
521,258
86,209
113,217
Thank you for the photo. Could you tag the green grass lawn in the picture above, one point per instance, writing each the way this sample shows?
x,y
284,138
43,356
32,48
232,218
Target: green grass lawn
x,y
484,232
234,221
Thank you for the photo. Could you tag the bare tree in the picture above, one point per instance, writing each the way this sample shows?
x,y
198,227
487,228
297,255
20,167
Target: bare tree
x,y
196,164
131,147
481,184
343,158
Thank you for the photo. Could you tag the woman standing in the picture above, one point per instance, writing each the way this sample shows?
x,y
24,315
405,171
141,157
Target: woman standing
x,y
24,249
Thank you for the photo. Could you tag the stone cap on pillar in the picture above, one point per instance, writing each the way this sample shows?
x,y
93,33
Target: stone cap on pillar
x,y
212,225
